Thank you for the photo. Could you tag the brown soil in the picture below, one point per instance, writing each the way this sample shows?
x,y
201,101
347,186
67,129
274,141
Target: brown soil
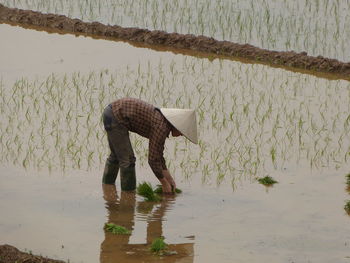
x,y
10,254
208,45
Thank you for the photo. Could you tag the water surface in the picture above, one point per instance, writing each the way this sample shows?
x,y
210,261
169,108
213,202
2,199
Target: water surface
x,y
253,121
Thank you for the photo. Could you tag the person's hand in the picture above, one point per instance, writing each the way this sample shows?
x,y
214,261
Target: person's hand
x,y
166,187
170,180
168,183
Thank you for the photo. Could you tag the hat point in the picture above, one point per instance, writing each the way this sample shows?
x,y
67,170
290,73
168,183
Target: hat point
x,y
184,120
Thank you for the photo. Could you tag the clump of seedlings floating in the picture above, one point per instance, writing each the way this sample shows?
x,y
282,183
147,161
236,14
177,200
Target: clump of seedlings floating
x,y
116,229
145,189
153,195
347,207
267,181
158,246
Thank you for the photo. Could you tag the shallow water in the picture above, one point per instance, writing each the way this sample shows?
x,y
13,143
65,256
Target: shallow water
x,y
61,213
301,219
35,54
317,28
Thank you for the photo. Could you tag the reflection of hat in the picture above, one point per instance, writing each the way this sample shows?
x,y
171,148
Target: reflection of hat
x,y
184,120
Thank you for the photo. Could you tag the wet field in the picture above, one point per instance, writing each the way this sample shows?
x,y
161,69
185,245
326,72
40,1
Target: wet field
x,y
319,28
253,121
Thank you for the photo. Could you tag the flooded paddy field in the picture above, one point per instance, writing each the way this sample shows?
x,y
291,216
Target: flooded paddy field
x,y
318,28
253,121
178,43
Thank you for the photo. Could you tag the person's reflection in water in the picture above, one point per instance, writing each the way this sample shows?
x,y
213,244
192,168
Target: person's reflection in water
x,y
121,212
116,248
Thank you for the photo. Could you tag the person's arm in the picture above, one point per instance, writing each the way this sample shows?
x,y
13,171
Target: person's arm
x,y
156,159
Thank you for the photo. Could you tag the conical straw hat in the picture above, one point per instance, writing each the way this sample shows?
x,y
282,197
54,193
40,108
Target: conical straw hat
x,y
184,120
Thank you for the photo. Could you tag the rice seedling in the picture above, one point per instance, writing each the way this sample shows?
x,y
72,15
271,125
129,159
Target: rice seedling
x,y
267,180
145,189
348,179
253,119
159,190
158,246
116,229
347,207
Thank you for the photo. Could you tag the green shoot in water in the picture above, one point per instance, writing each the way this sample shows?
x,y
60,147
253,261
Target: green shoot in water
x,y
115,229
267,180
347,207
145,189
158,245
159,190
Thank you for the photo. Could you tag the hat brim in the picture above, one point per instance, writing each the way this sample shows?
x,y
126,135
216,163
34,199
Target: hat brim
x,y
184,120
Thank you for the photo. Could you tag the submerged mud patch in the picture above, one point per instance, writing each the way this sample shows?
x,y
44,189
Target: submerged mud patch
x,y
10,254
175,40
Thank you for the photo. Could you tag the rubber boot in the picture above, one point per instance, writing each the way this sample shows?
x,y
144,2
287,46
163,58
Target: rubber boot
x,y
110,173
128,178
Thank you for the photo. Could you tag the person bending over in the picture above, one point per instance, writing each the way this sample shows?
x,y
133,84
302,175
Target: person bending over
x,y
134,115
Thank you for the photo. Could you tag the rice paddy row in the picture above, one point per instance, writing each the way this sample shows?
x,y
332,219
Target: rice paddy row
x,y
319,28
252,120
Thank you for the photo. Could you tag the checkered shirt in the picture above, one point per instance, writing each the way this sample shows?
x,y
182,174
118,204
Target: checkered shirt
x,y
144,119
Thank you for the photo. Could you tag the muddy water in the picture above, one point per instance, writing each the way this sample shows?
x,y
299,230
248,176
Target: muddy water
x,y
201,44
61,214
301,26
299,220
29,53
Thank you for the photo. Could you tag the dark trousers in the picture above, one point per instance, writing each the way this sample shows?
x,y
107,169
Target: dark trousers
x,y
118,140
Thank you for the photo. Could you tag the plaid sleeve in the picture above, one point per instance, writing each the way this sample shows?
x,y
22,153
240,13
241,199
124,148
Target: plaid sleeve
x,y
156,152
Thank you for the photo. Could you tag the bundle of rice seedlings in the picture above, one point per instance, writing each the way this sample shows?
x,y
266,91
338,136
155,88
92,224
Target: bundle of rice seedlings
x,y
145,189
115,229
159,190
158,245
267,180
347,207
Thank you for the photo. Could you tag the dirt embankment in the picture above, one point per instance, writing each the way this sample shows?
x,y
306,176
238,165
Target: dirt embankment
x,y
10,254
204,44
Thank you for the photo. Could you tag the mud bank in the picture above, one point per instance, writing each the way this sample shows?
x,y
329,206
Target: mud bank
x,y
191,42
10,254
